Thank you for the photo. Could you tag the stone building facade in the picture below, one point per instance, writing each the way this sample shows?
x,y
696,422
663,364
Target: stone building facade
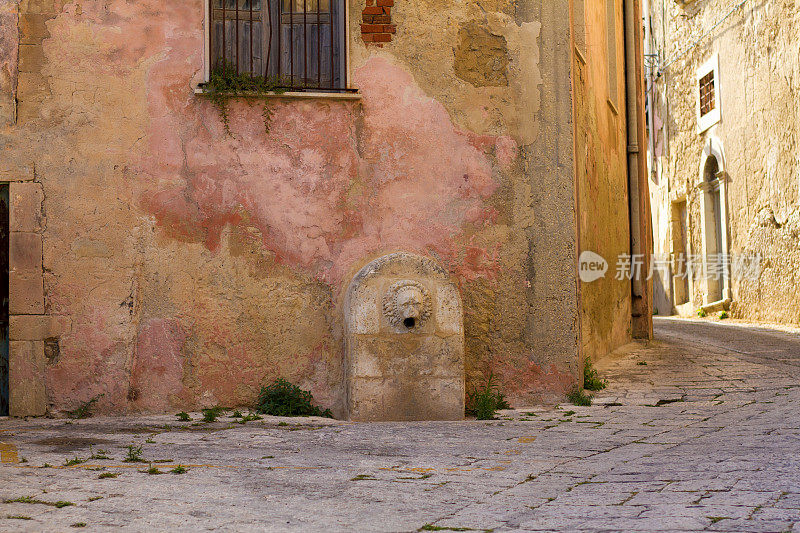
x,y
173,250
723,84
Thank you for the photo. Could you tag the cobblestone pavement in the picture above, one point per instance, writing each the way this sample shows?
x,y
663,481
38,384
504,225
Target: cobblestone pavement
x,y
698,431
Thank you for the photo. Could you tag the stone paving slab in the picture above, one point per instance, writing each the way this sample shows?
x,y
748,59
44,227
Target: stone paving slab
x,y
703,437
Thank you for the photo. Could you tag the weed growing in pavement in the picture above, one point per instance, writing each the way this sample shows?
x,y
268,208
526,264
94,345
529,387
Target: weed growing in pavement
x,y
179,470
484,402
107,475
285,399
74,461
134,454
579,397
30,499
183,416
99,454
22,499
153,471
591,381
212,413
249,418
84,410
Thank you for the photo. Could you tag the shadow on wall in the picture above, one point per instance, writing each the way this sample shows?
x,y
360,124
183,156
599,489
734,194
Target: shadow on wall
x,y
662,305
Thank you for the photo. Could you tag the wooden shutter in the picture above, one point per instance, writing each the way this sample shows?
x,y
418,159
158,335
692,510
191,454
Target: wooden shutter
x,y
240,35
308,51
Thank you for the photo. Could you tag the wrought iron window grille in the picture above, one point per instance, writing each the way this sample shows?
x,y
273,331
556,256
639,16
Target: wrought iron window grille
x,y
299,45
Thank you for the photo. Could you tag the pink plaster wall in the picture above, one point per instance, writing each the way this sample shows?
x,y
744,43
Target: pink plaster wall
x,y
331,183
146,193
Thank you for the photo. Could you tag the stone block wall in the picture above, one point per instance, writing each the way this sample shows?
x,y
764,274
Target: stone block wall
x,y
756,140
31,329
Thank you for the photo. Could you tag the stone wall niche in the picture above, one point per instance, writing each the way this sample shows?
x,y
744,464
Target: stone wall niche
x,y
405,342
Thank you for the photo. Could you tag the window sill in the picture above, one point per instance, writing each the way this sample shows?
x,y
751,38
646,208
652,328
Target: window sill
x,y
290,94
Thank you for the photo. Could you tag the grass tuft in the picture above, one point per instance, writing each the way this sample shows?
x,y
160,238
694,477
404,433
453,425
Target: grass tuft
x,y
212,413
134,454
484,402
579,397
285,399
30,499
591,380
84,410
99,454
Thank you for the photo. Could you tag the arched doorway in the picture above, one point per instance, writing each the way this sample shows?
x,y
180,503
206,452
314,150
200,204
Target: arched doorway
x,y
714,224
713,231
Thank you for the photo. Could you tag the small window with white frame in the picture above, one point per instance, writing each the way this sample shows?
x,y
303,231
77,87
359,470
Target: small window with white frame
x,y
708,96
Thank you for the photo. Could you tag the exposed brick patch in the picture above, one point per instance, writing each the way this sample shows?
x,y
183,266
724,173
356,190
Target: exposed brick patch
x,y
376,22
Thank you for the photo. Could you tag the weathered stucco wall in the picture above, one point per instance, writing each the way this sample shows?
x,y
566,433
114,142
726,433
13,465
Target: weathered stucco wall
x,y
183,267
759,76
601,168
9,50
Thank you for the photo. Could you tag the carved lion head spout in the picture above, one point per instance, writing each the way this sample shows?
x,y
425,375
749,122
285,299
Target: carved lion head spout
x,y
407,304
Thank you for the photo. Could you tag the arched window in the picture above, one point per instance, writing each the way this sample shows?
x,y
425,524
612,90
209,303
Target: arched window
x,y
711,168
298,43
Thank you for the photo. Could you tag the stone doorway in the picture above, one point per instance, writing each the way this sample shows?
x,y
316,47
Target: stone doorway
x,y
713,232
4,297
680,250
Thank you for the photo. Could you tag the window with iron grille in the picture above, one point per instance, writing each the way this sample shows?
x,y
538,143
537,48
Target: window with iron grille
x,y
707,103
298,43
